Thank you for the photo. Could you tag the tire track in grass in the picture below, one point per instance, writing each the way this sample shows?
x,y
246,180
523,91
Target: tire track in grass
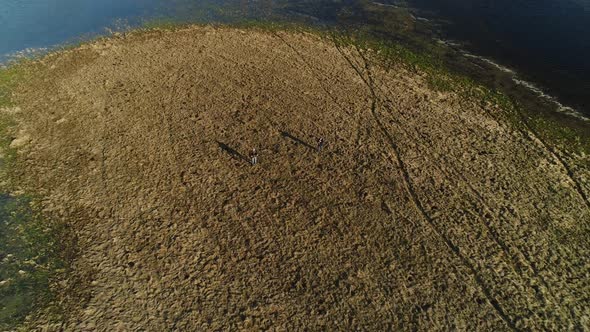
x,y
418,204
517,262
317,73
536,138
528,264
320,81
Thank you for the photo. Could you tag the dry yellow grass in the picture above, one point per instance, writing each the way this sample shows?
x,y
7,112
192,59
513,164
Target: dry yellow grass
x,y
423,212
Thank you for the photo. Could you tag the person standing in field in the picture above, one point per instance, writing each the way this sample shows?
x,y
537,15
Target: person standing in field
x,y
321,143
254,157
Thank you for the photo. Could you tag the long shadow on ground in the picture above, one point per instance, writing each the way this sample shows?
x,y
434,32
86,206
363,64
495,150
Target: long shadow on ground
x,y
296,140
232,152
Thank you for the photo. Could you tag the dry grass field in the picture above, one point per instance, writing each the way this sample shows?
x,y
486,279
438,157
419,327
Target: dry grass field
x,y
425,210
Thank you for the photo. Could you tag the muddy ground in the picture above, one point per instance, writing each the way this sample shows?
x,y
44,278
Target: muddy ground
x,y
425,211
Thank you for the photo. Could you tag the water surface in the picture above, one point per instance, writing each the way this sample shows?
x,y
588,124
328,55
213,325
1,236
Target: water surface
x,y
547,41
35,24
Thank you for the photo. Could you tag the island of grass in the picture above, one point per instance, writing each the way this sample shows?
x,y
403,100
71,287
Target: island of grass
x,y
434,205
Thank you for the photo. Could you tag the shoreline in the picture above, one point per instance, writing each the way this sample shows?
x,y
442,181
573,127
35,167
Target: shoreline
x,y
560,108
561,74
146,181
546,100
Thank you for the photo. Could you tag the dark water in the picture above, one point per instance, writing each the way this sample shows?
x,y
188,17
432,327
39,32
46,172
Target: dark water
x,y
547,41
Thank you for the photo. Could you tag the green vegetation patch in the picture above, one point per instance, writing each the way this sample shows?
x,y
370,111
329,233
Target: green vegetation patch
x,y
29,259
9,76
7,155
